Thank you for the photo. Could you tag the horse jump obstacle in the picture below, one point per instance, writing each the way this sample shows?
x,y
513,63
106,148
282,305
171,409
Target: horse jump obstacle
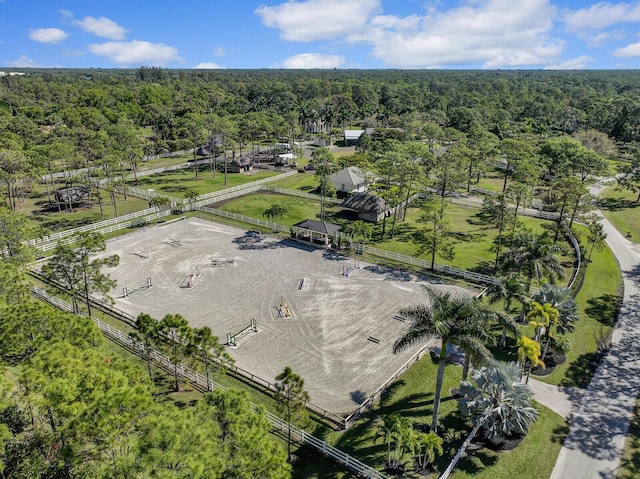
x,y
346,270
142,253
126,291
232,338
283,309
191,279
222,262
174,241
304,284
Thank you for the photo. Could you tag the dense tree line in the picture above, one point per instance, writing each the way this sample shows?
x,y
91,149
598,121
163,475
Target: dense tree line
x,y
71,409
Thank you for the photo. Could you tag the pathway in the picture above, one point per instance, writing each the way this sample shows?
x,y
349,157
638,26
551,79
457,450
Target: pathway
x,y
595,441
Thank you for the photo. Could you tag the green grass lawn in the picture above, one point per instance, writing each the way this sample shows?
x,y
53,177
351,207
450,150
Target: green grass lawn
x,y
298,209
597,303
40,212
412,397
304,182
177,183
473,240
622,210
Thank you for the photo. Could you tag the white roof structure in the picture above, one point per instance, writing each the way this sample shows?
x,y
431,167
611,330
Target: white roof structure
x,y
352,135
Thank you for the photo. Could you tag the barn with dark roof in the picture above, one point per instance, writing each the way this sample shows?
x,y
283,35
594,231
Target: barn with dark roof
x,y
368,206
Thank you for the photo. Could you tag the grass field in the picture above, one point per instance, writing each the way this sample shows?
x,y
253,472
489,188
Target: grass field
x,y
177,183
473,240
622,210
597,303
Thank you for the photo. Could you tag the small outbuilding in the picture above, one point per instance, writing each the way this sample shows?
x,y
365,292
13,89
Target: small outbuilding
x,y
368,206
72,195
349,179
241,165
286,159
315,232
351,137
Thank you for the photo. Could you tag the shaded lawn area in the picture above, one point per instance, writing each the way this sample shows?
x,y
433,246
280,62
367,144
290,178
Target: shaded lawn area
x,y
177,183
41,213
622,210
597,302
473,241
630,461
412,397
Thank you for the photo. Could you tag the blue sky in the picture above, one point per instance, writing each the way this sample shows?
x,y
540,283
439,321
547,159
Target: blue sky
x,y
403,34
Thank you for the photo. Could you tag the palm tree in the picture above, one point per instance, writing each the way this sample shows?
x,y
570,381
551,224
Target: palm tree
x,y
360,231
561,299
498,400
480,316
535,256
450,319
397,430
542,317
507,289
275,211
425,446
528,353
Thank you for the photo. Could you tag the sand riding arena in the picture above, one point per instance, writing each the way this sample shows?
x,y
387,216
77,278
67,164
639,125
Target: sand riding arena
x,y
331,318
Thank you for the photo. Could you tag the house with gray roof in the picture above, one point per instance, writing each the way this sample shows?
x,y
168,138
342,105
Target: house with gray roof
x,y
349,179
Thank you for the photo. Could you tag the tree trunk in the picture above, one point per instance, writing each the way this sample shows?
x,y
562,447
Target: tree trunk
x,y
439,382
466,367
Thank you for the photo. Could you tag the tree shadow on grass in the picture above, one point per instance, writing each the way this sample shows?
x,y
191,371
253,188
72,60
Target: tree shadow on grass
x,y
174,188
580,371
604,309
468,236
388,393
484,267
616,204
559,433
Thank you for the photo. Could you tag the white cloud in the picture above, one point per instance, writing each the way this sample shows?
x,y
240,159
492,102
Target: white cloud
x,y
219,52
630,51
207,66
102,27
48,35
24,62
313,20
601,15
579,63
65,14
136,52
600,38
313,60
490,33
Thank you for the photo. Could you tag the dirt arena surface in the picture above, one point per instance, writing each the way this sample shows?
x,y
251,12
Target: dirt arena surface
x,y
326,339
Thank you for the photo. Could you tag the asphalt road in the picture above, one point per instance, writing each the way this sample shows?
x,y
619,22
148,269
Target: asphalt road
x,y
594,445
